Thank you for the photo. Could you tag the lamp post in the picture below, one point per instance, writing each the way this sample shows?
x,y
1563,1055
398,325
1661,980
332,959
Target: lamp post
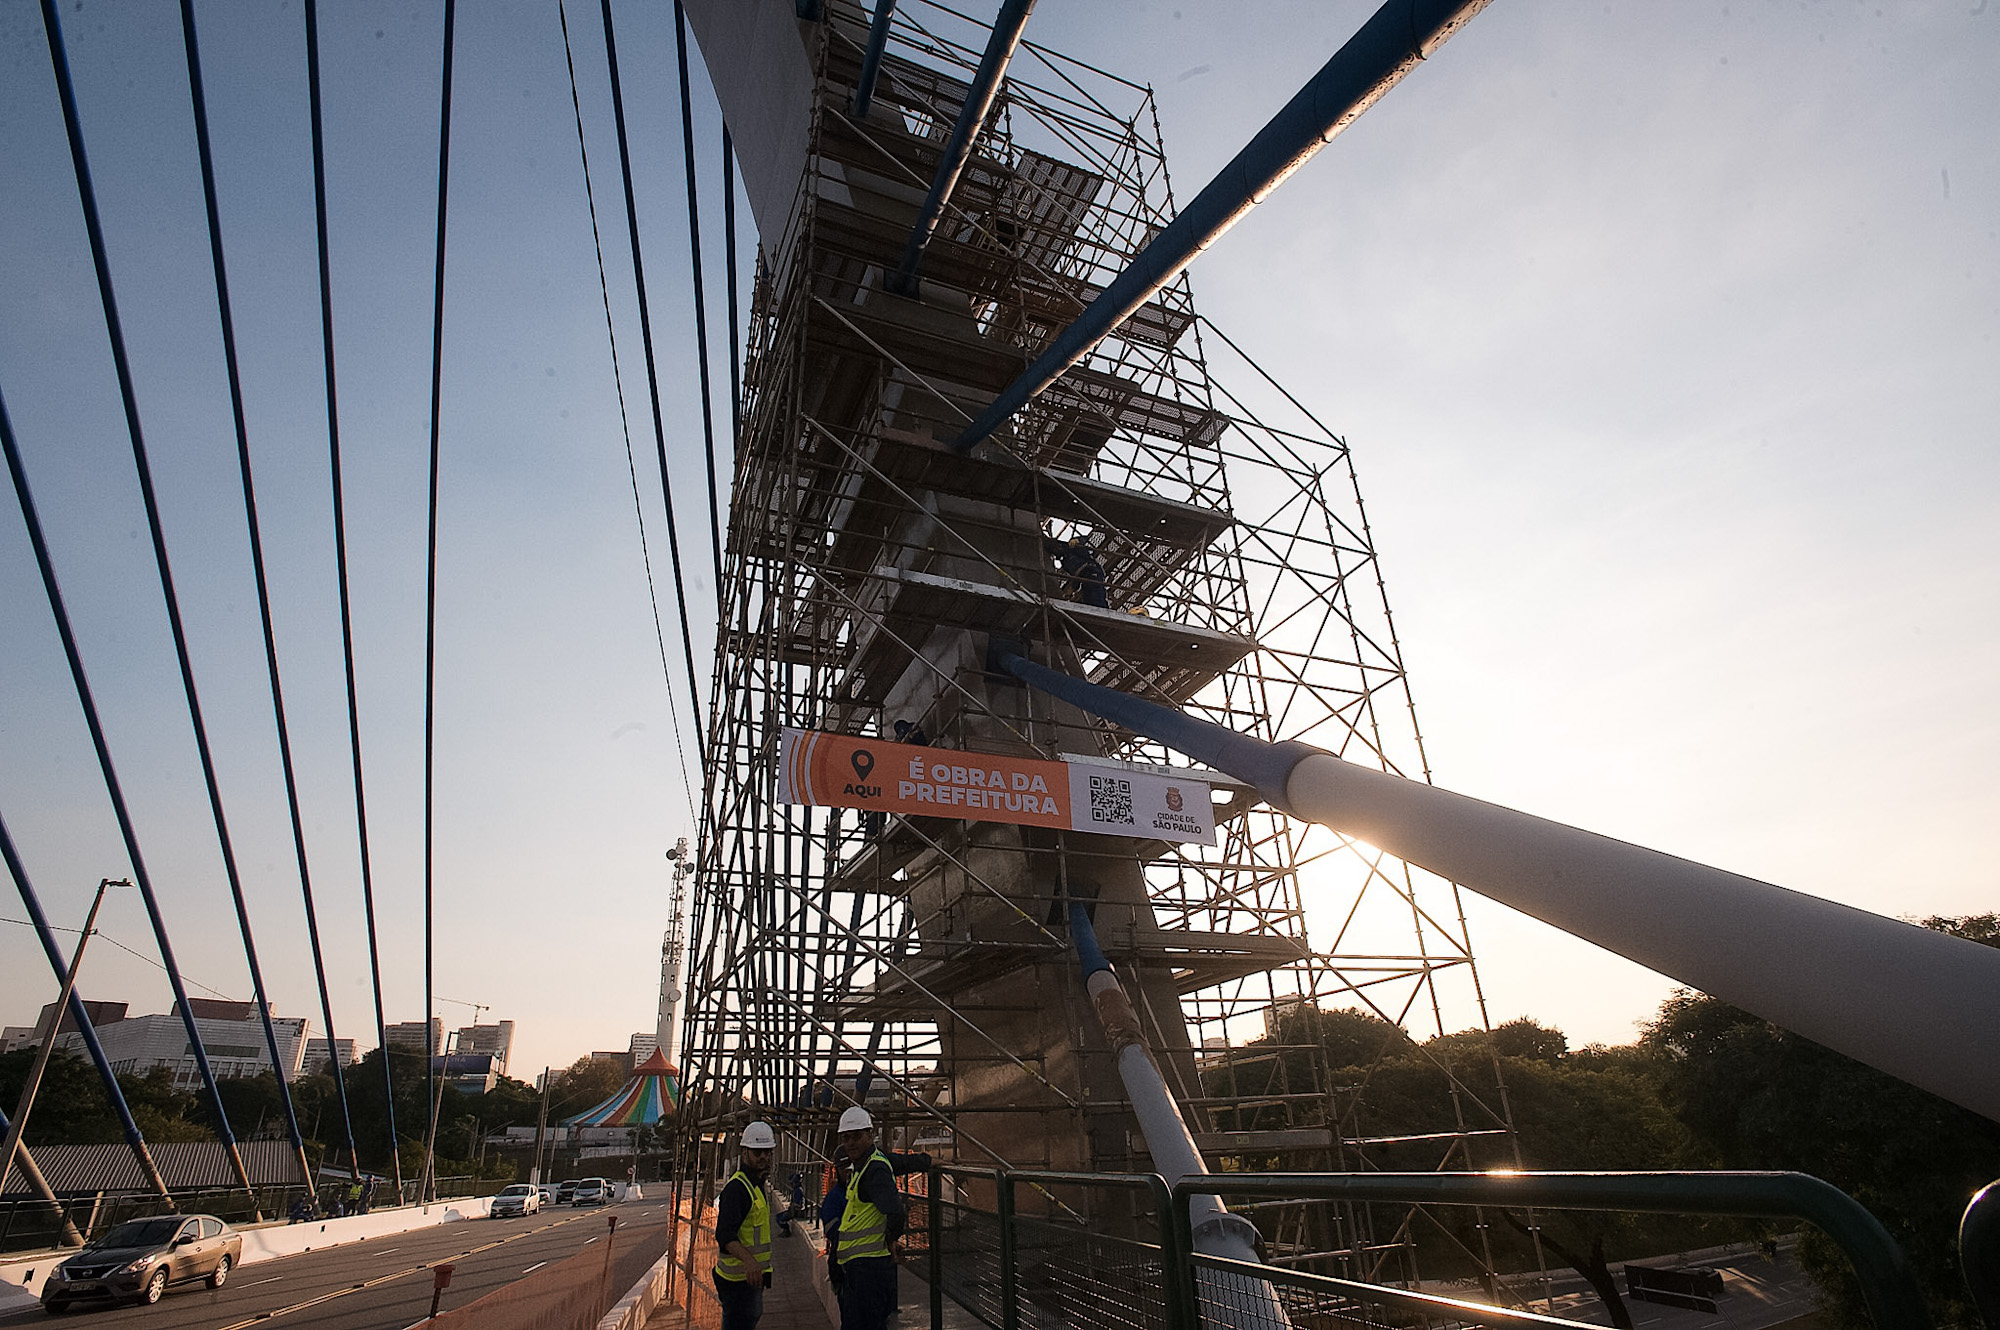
x,y
27,1104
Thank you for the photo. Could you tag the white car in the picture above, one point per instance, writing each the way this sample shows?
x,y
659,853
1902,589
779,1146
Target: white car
x,y
519,1199
593,1191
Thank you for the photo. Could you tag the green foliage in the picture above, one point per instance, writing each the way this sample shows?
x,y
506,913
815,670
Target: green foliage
x,y
70,1106
586,1083
1753,1095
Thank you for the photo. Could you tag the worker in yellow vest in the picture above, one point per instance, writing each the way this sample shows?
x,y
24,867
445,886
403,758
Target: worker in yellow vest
x,y
743,1232
858,1252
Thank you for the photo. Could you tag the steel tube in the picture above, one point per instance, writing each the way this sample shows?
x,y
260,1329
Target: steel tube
x,y
1388,46
1006,35
1909,1001
871,58
1213,1231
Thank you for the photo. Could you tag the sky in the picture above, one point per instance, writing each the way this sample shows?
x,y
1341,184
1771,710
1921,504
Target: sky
x,y
1663,336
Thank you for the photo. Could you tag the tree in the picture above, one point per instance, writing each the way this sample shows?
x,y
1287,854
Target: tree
x,y
70,1105
1754,1095
586,1083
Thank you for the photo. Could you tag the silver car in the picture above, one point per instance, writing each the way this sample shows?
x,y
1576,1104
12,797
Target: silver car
x,y
141,1257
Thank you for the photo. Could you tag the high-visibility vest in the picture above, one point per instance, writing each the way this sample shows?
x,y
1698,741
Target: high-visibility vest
x,y
864,1229
754,1232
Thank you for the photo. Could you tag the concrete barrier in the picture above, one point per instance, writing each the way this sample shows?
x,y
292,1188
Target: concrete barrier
x,y
21,1277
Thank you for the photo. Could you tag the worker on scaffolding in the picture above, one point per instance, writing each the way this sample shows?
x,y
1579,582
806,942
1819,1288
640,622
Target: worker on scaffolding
x,y
858,1249
1082,564
743,1232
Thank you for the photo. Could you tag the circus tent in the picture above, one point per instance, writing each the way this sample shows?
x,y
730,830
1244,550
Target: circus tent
x,y
650,1093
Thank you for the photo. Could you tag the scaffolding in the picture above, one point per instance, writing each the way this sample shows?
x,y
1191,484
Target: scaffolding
x,y
1140,523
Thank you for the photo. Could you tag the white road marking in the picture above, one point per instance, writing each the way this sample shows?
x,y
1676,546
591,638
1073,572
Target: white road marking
x,y
536,1266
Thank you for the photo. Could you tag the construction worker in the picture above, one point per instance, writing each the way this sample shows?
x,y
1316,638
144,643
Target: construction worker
x,y
858,1251
743,1232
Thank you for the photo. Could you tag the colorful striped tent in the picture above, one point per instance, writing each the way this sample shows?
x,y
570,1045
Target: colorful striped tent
x,y
650,1093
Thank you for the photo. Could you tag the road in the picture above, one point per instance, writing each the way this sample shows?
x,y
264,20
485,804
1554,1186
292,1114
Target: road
x,y
385,1283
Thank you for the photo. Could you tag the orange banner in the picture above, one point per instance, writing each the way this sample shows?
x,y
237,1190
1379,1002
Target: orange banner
x,y
845,771
848,772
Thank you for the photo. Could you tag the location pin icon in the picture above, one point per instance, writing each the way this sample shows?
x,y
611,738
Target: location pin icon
x,y
863,762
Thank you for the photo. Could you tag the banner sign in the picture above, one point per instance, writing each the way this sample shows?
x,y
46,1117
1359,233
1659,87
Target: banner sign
x,y
846,771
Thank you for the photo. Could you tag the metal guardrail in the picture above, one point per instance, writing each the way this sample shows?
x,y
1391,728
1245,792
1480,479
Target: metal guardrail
x,y
1160,1284
1886,1279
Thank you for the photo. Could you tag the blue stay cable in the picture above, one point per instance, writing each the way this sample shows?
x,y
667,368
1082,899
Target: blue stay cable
x,y
88,198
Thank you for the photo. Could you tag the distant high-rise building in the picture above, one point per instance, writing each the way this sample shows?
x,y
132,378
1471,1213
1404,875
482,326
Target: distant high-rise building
x,y
642,1047
17,1036
316,1059
496,1041
410,1035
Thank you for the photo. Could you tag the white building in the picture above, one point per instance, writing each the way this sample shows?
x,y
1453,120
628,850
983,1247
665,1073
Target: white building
x,y
139,1044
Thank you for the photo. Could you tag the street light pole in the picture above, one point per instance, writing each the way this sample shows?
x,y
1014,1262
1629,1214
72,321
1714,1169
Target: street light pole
x,y
427,1192
27,1104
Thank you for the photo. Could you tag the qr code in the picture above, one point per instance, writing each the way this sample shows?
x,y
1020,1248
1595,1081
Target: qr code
x,y
1110,800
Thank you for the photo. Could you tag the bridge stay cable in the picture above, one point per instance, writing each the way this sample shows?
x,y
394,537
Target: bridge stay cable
x,y
114,330
78,1013
653,377
340,567
431,1052
624,419
204,150
700,297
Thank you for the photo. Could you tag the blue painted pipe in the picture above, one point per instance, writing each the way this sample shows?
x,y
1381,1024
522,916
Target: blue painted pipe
x,y
1089,956
871,59
1000,46
1388,46
1265,765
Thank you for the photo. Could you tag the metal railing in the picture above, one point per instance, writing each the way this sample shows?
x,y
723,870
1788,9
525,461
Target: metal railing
x,y
1016,1271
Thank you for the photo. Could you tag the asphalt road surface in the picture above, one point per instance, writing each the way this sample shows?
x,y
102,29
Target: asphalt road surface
x,y
385,1283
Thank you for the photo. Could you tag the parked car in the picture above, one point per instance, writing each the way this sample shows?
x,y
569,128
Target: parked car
x,y
140,1258
519,1199
566,1190
592,1191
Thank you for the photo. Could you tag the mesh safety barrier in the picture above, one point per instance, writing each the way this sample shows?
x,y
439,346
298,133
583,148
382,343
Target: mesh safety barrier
x,y
1070,1276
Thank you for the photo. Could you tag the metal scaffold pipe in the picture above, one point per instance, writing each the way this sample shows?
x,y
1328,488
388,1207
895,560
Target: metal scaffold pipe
x,y
1388,46
1216,1232
1908,1001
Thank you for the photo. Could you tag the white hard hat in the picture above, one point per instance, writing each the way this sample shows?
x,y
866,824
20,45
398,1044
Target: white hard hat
x,y
856,1119
759,1136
